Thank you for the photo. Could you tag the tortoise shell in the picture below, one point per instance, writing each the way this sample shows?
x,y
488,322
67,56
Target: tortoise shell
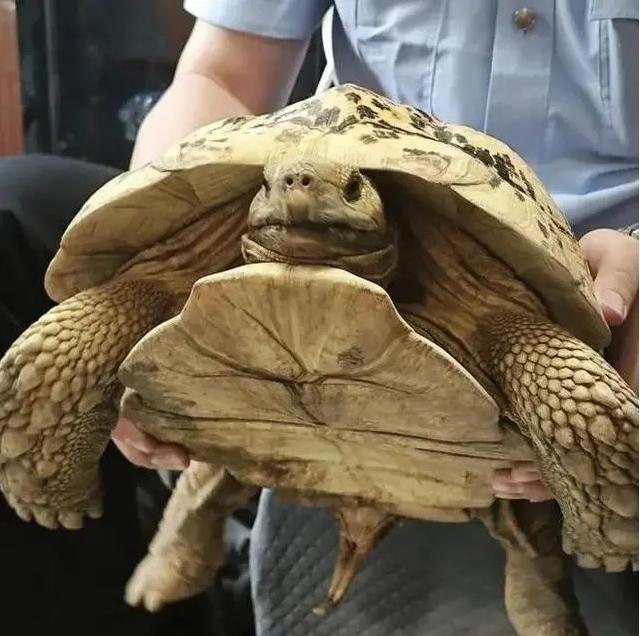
x,y
475,180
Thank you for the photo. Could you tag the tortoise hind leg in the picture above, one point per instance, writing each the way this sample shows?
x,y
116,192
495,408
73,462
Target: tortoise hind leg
x,y
539,595
187,549
58,399
582,419
361,529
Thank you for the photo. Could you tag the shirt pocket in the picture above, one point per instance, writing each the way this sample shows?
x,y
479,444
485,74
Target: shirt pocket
x,y
398,42
616,25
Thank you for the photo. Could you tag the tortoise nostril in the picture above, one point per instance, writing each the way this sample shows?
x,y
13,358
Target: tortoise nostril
x,y
289,181
306,180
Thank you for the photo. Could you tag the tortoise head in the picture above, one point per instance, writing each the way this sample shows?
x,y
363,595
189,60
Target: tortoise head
x,y
319,213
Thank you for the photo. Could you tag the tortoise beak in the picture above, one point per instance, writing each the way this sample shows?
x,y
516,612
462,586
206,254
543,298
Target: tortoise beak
x,y
298,205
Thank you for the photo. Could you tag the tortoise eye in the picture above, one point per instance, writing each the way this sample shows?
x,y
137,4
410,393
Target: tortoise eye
x,y
353,188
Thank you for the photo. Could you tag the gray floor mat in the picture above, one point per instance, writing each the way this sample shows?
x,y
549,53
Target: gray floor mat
x,y
424,578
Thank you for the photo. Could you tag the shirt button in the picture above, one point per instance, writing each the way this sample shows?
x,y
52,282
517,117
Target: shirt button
x,y
524,18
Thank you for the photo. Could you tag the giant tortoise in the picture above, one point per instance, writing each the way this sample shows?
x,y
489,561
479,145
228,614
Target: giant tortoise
x,y
348,301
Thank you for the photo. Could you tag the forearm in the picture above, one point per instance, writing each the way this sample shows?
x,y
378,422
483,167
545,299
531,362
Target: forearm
x,y
221,73
191,101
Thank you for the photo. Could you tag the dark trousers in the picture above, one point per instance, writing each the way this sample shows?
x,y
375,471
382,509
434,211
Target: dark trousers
x,y
59,582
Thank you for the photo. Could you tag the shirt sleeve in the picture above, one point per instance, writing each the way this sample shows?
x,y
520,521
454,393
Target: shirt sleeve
x,y
286,19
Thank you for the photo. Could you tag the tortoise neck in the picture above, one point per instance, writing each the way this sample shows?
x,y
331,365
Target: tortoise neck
x,y
379,266
450,283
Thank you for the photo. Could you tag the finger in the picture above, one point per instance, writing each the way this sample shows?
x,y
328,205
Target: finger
x,y
134,455
169,457
532,491
525,472
144,450
536,491
622,353
504,484
128,433
613,260
502,494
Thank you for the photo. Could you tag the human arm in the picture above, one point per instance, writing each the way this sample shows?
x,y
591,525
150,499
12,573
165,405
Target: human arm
x,y
221,73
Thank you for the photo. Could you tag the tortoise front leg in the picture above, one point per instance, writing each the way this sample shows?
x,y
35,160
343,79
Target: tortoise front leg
x,y
187,549
539,595
58,399
582,419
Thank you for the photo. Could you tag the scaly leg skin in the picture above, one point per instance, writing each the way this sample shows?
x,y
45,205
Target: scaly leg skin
x,y
187,549
58,399
582,419
539,595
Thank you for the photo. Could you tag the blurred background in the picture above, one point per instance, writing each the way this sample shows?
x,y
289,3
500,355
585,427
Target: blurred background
x,y
85,72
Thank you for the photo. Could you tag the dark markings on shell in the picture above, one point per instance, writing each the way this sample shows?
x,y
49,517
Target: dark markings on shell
x,y
501,162
415,152
543,228
428,116
417,121
505,168
528,185
558,226
352,358
377,116
237,122
441,133
311,106
386,134
433,159
290,135
379,104
344,125
479,153
366,112
302,121
327,117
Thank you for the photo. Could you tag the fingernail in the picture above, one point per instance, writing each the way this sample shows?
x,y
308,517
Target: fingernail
x,y
526,476
612,300
504,483
509,489
509,495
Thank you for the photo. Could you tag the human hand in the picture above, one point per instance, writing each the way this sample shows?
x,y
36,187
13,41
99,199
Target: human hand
x,y
521,481
613,261
146,451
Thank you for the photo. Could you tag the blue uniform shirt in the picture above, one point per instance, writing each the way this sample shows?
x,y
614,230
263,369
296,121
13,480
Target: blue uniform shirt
x,y
556,80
